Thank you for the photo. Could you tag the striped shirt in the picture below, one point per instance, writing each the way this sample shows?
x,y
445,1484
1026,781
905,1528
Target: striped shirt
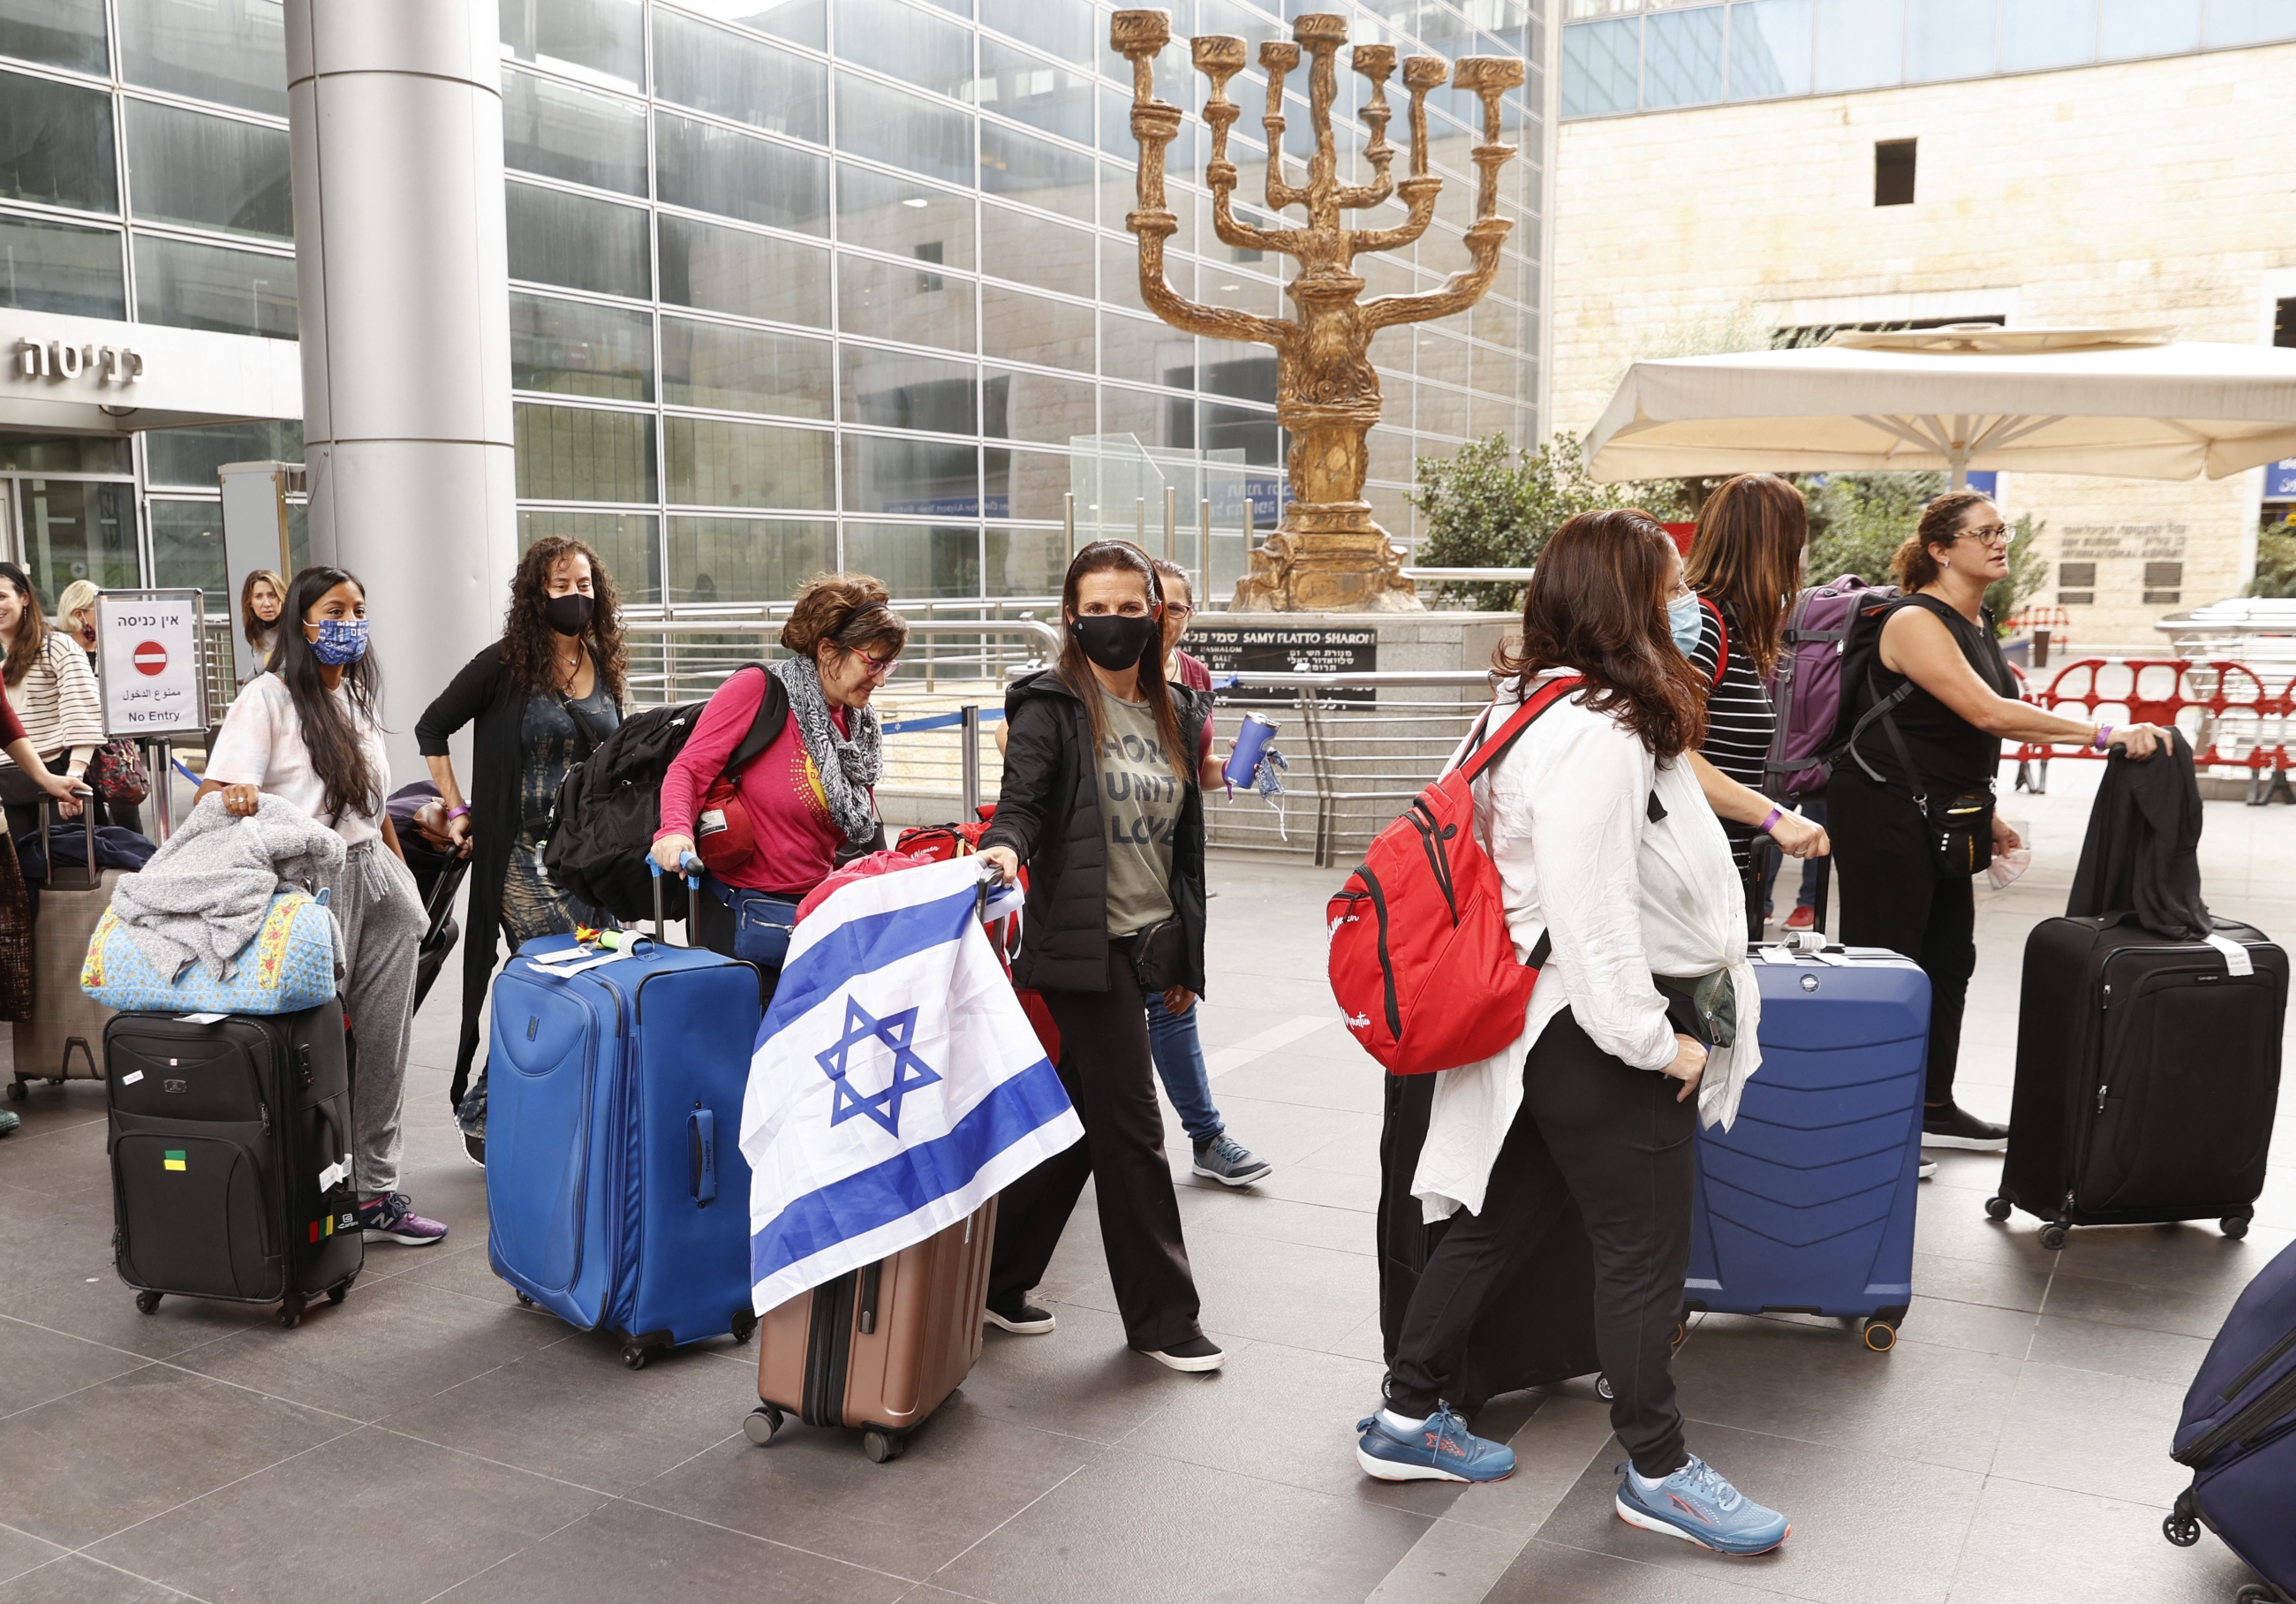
x,y
1739,719
56,699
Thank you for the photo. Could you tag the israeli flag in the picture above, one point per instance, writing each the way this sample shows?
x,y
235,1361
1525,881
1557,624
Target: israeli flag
x,y
896,1084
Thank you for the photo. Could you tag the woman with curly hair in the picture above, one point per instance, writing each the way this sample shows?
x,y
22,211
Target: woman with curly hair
x,y
544,696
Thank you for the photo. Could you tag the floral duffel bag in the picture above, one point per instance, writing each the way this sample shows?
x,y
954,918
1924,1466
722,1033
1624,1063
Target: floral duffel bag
x,y
289,965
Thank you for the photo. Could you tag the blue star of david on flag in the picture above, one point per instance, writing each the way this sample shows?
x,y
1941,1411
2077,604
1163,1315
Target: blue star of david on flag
x,y
909,1072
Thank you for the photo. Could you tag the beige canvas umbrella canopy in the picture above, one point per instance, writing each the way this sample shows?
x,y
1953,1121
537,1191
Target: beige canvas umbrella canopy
x,y
2131,403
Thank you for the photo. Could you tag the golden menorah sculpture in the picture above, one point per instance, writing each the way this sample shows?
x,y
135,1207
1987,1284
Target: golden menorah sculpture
x,y
1327,554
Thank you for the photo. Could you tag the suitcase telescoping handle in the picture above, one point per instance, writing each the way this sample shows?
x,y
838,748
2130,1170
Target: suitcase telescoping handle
x,y
690,868
91,876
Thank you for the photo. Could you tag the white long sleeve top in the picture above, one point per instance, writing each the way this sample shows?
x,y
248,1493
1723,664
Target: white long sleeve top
x,y
1563,817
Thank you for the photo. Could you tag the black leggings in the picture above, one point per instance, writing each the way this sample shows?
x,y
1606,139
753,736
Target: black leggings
x,y
1892,896
1104,1064
1613,1139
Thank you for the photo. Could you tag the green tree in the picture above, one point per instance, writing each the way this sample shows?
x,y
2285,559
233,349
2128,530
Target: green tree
x,y
1492,507
2275,561
1857,522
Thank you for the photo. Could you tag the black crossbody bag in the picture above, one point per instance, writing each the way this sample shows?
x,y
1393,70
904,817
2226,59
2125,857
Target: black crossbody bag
x,y
1959,827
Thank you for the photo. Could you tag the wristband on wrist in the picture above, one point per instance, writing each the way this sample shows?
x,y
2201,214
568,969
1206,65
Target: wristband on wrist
x,y
1775,814
2103,733
454,813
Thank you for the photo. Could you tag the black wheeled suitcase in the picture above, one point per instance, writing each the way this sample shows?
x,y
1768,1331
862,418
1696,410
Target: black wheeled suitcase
x,y
2148,1071
231,1165
1538,1328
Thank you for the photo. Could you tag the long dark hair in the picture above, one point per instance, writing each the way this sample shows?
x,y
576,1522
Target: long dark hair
x,y
1748,558
1110,556
331,738
526,649
1597,603
31,627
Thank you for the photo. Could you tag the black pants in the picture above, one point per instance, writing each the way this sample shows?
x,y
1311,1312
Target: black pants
x,y
1892,896
1105,1065
1613,1139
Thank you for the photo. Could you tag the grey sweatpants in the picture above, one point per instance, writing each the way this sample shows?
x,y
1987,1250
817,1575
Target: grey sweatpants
x,y
373,898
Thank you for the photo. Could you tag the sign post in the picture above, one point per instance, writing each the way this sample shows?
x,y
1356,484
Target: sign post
x,y
152,676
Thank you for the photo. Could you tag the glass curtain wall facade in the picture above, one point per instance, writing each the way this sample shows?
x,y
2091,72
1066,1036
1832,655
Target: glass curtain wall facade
x,y
841,282
795,283
143,179
1622,56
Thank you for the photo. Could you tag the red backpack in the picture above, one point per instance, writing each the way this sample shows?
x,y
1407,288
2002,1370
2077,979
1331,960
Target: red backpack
x,y
1421,962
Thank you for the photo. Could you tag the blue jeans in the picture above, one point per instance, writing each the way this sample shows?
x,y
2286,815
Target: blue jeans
x,y
1179,1057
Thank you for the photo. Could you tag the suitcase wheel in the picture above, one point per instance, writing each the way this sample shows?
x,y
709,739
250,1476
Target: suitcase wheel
x,y
340,1290
2234,1226
16,1092
763,1422
744,1322
1881,1335
883,1447
2259,1592
2181,1526
2053,1234
524,1301
1602,1388
291,1314
634,1354
148,1302
1996,1208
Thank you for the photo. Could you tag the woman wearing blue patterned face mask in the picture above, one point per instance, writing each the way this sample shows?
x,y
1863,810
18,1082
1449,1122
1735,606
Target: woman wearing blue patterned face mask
x,y
309,732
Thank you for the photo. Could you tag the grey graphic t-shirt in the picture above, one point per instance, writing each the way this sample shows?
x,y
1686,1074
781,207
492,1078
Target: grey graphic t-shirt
x,y
1140,801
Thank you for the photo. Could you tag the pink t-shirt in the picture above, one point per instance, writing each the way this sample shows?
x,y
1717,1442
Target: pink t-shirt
x,y
797,839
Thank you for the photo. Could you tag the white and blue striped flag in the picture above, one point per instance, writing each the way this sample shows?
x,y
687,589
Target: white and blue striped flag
x,y
896,1084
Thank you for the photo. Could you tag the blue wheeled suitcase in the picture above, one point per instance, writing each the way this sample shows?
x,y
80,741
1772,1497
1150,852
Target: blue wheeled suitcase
x,y
617,1194
1806,1204
2238,1433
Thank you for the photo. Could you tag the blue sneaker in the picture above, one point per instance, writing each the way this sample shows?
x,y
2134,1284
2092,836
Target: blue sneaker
x,y
1696,1505
1442,1450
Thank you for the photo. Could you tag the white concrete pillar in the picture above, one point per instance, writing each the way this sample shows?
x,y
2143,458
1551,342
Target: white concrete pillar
x,y
394,115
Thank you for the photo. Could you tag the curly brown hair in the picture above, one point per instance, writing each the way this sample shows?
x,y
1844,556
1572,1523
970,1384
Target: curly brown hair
x,y
526,644
847,611
1596,603
1914,564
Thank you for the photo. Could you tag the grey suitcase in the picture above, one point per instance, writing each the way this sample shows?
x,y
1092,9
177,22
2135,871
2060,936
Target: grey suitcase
x,y
63,1039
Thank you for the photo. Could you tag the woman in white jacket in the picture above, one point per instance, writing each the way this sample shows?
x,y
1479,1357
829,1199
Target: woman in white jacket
x,y
1599,1108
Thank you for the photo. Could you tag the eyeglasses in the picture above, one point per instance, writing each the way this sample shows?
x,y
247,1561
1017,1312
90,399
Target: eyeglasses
x,y
879,667
1177,610
1994,534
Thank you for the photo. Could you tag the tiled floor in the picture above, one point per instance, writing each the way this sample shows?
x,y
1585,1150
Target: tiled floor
x,y
430,1439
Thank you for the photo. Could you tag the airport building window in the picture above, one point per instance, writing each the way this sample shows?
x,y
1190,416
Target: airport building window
x,y
1893,172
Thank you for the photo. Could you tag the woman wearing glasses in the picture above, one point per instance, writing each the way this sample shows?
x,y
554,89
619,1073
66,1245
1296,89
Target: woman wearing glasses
x,y
808,798
1926,700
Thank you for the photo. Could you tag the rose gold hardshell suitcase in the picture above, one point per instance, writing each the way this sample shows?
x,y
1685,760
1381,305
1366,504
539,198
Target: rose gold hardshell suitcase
x,y
880,1347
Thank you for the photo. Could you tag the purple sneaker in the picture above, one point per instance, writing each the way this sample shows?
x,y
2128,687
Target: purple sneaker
x,y
393,1219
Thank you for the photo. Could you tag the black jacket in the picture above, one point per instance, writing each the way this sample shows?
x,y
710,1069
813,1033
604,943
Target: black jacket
x,y
1048,813
483,691
2142,853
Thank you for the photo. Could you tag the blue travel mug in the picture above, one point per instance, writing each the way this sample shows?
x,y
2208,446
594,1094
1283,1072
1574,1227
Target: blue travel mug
x,y
1251,742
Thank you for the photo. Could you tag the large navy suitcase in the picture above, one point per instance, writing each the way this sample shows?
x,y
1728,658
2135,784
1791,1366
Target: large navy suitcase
x,y
1806,1204
2148,1074
617,1194
2238,1433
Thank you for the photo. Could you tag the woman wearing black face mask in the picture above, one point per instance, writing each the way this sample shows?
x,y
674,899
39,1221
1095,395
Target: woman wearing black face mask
x,y
1100,798
544,696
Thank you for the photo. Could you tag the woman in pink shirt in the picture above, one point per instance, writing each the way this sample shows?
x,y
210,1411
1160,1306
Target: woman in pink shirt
x,y
771,830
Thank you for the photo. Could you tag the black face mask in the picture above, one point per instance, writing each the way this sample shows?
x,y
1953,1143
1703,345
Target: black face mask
x,y
569,615
1112,640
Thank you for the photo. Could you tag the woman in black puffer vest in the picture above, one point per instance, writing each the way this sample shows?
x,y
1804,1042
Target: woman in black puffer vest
x,y
1101,800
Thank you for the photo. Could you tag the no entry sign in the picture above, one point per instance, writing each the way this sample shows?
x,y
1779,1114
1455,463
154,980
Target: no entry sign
x,y
148,657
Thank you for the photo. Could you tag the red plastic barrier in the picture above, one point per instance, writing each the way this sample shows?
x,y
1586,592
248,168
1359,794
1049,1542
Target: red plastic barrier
x,y
2159,690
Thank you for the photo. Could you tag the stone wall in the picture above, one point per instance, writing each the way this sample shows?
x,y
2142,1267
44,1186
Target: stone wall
x,y
2137,193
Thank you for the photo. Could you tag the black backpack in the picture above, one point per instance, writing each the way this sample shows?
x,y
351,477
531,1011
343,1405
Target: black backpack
x,y
609,807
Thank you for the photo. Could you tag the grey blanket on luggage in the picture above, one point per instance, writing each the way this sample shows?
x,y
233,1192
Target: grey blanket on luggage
x,y
201,897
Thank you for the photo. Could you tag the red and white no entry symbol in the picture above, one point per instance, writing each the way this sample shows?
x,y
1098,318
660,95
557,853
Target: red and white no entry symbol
x,y
151,658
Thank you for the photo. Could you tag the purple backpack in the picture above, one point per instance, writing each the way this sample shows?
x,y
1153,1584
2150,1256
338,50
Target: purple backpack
x,y
1806,690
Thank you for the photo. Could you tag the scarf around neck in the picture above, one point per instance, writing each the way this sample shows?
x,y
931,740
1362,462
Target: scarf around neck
x,y
847,767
